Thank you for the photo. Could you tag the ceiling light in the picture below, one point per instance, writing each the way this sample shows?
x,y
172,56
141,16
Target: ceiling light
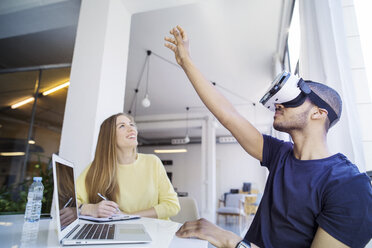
x,y
146,101
21,103
2,223
56,88
171,151
11,154
187,138
31,142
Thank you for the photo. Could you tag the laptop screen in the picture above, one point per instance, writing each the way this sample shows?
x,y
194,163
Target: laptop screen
x,y
66,194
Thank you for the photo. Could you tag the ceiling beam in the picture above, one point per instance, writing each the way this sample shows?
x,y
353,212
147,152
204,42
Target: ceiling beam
x,y
38,18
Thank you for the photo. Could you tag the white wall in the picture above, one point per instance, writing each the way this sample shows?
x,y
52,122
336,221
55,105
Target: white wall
x,y
186,169
234,166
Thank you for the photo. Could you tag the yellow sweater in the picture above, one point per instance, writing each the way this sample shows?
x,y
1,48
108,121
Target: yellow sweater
x,y
143,184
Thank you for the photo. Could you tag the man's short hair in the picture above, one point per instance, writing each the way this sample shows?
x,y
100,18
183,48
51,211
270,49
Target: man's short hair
x,y
330,96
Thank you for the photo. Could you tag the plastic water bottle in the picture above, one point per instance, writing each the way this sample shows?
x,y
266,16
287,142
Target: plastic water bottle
x,y
30,233
35,195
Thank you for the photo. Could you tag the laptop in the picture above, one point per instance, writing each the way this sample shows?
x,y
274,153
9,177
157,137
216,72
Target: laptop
x,y
71,230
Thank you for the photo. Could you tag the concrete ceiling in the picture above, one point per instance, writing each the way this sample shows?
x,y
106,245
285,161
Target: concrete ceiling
x,y
232,42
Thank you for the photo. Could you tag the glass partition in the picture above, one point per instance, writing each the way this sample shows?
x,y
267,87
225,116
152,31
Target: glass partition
x,y
29,134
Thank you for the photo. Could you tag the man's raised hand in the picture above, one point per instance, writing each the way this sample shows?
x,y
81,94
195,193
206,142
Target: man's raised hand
x,y
179,44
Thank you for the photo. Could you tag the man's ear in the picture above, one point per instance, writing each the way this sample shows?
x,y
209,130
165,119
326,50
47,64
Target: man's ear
x,y
319,113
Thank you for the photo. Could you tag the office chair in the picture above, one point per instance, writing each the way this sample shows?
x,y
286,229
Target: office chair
x,y
188,212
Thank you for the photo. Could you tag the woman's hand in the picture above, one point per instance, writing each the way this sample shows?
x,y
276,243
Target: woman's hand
x,y
179,44
103,209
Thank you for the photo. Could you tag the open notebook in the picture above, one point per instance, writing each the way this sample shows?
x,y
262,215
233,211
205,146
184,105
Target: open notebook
x,y
115,217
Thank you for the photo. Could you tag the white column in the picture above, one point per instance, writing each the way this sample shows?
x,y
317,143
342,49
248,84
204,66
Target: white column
x,y
208,169
98,77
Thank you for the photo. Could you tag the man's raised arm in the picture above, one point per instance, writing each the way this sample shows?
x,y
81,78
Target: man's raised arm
x,y
245,133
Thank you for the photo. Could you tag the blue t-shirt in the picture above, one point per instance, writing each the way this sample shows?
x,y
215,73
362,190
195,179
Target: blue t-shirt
x,y
301,195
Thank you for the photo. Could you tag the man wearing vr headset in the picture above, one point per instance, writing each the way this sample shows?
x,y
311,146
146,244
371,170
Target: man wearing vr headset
x,y
312,198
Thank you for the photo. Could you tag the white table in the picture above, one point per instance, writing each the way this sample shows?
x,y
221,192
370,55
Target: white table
x,y
15,233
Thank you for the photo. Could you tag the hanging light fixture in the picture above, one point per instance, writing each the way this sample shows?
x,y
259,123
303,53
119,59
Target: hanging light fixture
x,y
146,101
187,138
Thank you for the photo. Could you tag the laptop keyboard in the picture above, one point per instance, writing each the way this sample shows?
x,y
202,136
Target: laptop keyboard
x,y
96,231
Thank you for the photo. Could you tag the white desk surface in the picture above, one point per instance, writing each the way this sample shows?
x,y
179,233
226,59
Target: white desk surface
x,y
15,233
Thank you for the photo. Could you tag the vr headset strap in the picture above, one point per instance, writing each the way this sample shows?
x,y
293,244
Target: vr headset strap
x,y
314,98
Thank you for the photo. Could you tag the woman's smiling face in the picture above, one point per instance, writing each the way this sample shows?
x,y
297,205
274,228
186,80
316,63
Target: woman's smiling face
x,y
126,132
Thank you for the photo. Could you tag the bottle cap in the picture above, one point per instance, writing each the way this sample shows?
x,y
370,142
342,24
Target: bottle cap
x,y
38,179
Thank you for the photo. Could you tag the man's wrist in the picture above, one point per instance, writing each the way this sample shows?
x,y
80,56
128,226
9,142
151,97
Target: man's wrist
x,y
187,63
233,240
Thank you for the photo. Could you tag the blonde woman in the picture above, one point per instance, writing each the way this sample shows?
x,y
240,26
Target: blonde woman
x,y
132,182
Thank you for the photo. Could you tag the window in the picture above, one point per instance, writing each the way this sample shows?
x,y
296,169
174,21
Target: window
x,y
29,134
364,19
294,41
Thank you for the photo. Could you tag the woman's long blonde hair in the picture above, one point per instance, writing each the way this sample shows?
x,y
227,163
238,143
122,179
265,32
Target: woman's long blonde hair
x,y
102,174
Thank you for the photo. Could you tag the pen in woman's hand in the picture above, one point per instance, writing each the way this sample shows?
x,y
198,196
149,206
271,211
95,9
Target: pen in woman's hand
x,y
104,198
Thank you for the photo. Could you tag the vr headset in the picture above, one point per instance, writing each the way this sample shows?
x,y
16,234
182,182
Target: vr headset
x,y
292,91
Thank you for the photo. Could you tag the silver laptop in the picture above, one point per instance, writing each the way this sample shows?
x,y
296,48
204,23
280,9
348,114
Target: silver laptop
x,y
71,231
